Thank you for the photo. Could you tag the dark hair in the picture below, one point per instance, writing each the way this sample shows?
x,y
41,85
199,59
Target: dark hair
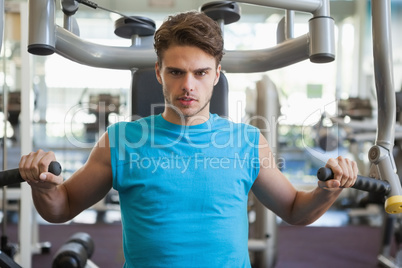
x,y
190,29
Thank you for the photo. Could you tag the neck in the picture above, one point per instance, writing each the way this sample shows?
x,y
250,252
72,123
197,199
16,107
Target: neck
x,y
192,120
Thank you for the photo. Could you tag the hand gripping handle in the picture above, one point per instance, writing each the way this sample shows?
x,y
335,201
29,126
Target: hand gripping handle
x,y
13,176
362,183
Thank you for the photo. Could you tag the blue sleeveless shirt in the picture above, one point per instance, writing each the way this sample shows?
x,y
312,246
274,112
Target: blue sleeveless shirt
x,y
183,191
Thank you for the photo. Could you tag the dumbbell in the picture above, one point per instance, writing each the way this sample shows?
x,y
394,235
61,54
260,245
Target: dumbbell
x,y
75,252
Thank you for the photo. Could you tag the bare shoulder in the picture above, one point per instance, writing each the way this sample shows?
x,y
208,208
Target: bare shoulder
x,y
100,154
266,156
271,187
97,170
92,181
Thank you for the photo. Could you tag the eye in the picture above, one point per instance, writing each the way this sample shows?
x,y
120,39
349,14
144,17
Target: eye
x,y
175,72
201,73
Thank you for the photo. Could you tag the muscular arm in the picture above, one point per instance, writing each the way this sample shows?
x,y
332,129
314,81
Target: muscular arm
x,y
275,191
58,201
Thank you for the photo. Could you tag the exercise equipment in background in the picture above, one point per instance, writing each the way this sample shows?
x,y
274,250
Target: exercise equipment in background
x,y
384,179
75,252
8,250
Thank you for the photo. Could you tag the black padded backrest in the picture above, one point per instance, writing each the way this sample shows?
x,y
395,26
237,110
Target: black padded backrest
x,y
147,96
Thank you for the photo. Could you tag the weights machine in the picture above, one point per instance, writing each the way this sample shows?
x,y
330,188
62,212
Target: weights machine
x,y
46,37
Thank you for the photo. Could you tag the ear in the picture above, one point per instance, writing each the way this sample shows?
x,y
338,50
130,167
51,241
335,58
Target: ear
x,y
218,74
158,73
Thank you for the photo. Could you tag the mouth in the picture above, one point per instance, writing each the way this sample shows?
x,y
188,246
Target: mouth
x,y
186,100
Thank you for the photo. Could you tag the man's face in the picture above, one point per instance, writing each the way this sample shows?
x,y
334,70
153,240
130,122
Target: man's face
x,y
187,76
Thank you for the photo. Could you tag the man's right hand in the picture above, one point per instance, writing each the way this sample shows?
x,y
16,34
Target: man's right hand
x,y
34,169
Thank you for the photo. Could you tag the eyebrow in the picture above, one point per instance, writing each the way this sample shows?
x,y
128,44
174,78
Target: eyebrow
x,y
181,70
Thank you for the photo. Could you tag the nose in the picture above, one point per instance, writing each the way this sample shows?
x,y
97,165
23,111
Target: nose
x,y
188,82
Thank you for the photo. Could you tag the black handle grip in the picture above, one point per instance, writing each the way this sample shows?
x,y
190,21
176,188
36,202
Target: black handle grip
x,y
362,183
13,176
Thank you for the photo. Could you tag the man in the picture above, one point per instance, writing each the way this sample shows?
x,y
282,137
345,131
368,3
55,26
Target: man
x,y
183,176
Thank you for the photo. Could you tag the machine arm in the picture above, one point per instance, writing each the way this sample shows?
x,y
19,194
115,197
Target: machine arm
x,y
46,38
380,155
